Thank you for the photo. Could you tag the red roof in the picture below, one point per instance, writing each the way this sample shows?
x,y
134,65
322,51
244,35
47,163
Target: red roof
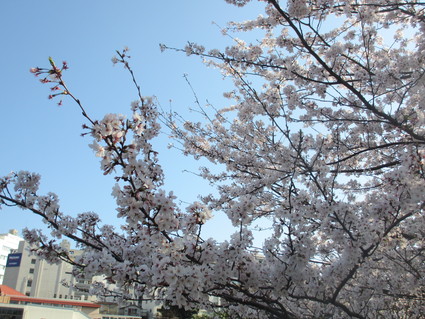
x,y
20,297
75,303
6,290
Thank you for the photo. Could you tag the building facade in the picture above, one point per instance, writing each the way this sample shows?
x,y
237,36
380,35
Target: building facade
x,y
35,277
8,243
15,305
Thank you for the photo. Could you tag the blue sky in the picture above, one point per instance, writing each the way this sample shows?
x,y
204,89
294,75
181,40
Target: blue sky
x,y
41,137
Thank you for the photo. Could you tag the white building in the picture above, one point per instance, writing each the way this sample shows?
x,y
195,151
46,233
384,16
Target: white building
x,y
36,278
15,305
8,242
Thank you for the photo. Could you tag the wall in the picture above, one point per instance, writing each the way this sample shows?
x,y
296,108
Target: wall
x,y
8,242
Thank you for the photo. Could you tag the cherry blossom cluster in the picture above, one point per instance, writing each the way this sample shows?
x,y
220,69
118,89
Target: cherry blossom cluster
x,y
324,138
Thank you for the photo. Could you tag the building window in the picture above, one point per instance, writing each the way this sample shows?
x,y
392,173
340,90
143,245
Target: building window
x,y
60,296
33,261
132,312
54,296
31,270
29,283
27,294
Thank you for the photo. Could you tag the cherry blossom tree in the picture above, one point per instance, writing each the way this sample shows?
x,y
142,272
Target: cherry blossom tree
x,y
323,138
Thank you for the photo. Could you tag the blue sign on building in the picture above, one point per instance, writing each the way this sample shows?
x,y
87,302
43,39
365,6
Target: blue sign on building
x,y
14,260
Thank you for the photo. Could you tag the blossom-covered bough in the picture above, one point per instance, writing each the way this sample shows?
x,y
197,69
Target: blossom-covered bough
x,y
324,139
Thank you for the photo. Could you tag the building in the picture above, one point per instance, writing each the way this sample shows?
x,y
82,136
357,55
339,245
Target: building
x,y
35,278
8,242
15,305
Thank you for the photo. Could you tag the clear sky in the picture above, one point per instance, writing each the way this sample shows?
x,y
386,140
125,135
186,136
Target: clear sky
x,y
41,137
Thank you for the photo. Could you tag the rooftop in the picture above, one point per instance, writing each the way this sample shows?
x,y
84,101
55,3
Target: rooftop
x,y
7,291
17,297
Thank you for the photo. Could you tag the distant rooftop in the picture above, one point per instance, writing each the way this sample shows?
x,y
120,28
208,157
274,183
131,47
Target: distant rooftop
x,y
7,291
20,298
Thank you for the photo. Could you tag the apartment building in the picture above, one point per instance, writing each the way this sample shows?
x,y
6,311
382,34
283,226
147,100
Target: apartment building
x,y
8,242
35,277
